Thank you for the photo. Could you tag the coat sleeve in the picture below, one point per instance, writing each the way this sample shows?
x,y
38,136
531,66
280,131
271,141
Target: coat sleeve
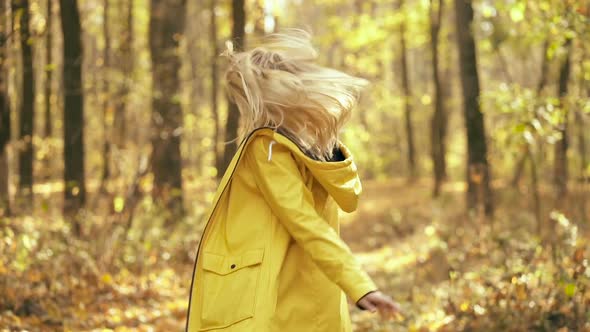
x,y
283,188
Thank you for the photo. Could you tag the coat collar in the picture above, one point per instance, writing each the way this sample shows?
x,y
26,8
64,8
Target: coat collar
x,y
339,178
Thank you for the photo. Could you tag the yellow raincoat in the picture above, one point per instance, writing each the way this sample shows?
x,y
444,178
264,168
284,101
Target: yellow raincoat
x,y
270,257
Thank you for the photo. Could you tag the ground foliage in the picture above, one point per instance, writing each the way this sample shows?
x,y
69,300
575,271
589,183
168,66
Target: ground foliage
x,y
450,272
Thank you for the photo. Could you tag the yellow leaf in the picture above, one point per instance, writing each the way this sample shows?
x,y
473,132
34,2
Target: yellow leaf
x,y
119,204
464,306
521,292
107,278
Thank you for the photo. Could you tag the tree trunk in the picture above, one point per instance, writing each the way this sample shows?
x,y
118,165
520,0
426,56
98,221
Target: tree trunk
x,y
535,189
194,47
48,128
582,149
214,85
478,173
74,180
4,117
544,68
356,23
407,97
20,10
106,99
540,85
126,60
519,169
166,25
561,146
439,118
233,114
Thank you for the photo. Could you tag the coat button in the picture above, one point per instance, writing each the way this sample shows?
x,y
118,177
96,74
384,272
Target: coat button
x,y
233,266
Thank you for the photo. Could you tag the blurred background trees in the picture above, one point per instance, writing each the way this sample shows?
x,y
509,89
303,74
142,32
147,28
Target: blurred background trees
x,y
74,179
26,112
424,58
166,29
115,129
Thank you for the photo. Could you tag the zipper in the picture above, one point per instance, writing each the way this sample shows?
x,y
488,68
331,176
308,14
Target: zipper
x,y
211,216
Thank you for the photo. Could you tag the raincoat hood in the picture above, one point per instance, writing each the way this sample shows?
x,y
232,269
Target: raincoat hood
x,y
339,178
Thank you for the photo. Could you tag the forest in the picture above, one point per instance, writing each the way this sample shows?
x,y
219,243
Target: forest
x,y
472,143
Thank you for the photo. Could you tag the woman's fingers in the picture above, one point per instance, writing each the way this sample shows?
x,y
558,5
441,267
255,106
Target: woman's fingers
x,y
395,307
367,303
370,306
389,312
389,308
377,301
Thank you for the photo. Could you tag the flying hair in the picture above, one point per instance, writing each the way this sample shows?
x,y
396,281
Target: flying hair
x,y
279,84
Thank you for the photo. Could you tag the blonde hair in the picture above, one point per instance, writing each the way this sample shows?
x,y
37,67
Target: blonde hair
x,y
279,85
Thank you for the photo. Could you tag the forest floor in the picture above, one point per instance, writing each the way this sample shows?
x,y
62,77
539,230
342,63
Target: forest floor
x,y
450,272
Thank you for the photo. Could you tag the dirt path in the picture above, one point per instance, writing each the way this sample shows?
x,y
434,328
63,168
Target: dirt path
x,y
392,235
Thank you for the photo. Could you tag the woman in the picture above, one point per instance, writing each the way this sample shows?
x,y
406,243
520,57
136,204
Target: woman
x,y
271,258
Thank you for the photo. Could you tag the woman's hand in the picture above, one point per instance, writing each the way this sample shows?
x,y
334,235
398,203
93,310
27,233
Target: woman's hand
x,y
377,301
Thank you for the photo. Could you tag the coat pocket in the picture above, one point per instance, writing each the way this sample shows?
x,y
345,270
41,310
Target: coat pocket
x,y
230,284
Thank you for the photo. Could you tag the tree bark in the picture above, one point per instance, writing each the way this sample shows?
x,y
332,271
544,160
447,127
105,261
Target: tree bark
x,y
233,114
561,146
407,98
5,129
49,67
166,27
478,173
20,10
106,99
74,179
439,118
214,85
126,61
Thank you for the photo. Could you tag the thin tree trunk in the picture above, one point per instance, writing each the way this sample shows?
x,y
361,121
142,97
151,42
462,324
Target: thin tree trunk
x,y
214,85
4,116
166,24
478,173
126,56
439,118
544,68
503,64
407,97
518,170
233,114
20,9
106,126
535,189
74,179
561,146
582,150
196,94
48,128
356,23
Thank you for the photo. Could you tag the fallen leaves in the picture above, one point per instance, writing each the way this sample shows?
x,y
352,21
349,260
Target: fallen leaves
x,y
448,273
